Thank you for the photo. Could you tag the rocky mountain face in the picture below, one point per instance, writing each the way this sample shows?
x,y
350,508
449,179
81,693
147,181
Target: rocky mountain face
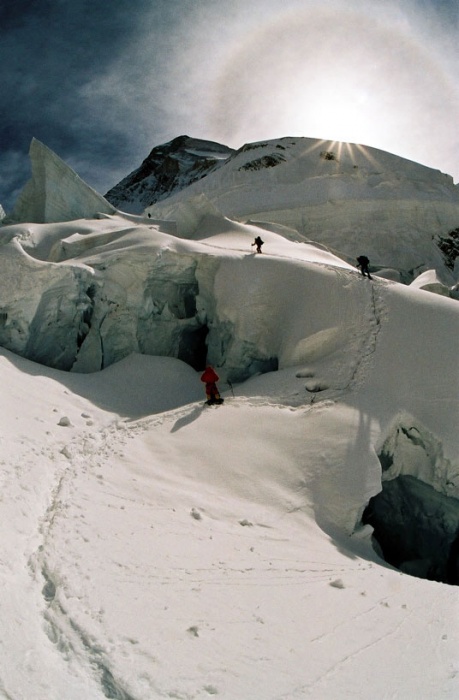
x,y
167,169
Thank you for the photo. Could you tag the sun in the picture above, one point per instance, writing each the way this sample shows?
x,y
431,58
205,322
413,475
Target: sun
x,y
340,113
336,76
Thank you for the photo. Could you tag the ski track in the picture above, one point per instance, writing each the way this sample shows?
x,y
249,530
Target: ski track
x,y
87,454
37,476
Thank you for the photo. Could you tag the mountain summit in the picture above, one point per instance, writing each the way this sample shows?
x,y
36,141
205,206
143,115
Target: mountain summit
x,y
167,169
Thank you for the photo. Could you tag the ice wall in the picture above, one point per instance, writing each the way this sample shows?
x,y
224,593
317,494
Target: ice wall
x,y
72,298
83,295
145,305
55,192
42,308
81,319
411,450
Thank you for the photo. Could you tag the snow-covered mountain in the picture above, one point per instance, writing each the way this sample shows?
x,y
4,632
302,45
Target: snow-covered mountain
x,y
342,195
167,169
64,307
297,541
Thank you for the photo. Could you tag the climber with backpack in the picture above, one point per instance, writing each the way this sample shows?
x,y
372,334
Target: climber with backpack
x,y
258,242
363,262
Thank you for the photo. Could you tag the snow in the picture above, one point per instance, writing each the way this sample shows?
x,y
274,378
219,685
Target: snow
x,y
430,281
155,547
361,194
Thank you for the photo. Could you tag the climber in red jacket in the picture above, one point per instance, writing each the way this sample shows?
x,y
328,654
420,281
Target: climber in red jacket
x,y
210,377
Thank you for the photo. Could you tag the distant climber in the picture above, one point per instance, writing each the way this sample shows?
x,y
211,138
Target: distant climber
x,y
258,242
363,262
210,378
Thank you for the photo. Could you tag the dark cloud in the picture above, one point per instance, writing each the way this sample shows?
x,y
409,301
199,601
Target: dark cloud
x,y
56,76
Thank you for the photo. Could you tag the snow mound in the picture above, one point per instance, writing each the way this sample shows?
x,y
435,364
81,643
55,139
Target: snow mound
x,y
430,282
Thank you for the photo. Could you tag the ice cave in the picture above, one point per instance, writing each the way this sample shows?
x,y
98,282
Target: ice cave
x,y
415,523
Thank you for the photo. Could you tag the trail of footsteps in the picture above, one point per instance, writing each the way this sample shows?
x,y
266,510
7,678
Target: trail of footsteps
x,y
375,315
83,453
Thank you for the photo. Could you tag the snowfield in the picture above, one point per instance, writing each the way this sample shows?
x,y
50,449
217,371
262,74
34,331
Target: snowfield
x,y
155,547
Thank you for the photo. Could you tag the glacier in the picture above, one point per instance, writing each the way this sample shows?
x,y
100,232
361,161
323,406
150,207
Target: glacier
x,y
315,499
82,295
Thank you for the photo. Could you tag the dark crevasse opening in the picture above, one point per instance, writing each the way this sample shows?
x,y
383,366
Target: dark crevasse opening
x,y
193,347
416,528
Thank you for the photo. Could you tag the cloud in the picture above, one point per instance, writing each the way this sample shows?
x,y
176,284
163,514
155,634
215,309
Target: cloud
x,y
14,172
54,51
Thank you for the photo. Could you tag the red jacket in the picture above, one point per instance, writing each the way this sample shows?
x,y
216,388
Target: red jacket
x,y
209,376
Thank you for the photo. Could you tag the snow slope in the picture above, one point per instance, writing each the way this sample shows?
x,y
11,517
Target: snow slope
x,y
342,195
156,548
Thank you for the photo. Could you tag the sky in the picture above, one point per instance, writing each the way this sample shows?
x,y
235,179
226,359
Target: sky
x,y
102,83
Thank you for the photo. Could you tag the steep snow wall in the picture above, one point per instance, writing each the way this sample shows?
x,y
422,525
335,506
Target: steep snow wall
x,y
431,282
260,329
56,192
42,308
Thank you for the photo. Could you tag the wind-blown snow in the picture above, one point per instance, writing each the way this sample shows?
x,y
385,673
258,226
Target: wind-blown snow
x,y
154,547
